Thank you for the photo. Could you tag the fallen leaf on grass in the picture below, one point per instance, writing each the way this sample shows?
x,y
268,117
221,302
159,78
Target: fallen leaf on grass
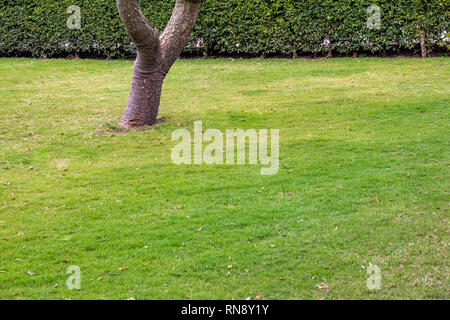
x,y
324,287
258,297
100,278
122,269
150,262
282,279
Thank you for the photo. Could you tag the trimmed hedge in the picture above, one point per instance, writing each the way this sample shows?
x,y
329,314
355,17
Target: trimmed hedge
x,y
228,27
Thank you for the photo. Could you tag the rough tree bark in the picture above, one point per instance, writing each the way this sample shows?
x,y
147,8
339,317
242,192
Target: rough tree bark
x,y
423,46
155,56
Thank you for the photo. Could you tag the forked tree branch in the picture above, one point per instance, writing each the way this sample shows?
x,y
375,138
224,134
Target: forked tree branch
x,y
155,51
144,36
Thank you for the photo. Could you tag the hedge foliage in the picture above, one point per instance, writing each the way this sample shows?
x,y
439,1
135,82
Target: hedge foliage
x,y
228,27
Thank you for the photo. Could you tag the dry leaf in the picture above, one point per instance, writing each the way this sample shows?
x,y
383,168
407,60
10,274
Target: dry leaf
x,y
122,269
150,262
100,278
258,297
324,287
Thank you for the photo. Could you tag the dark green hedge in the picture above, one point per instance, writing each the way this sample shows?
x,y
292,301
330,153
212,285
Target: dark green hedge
x,y
228,27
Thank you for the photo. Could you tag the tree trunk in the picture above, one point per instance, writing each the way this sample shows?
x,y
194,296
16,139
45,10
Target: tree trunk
x,y
423,46
144,100
155,56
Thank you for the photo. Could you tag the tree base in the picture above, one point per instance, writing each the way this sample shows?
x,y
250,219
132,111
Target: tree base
x,y
129,124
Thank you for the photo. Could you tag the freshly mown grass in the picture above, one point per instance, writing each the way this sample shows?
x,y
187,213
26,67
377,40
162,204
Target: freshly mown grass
x,y
364,179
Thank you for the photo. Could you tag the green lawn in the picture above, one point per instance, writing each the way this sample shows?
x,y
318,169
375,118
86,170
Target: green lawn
x,y
364,179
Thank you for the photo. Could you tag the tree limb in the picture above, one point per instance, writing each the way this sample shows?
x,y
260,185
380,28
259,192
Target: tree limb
x,y
174,38
144,36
